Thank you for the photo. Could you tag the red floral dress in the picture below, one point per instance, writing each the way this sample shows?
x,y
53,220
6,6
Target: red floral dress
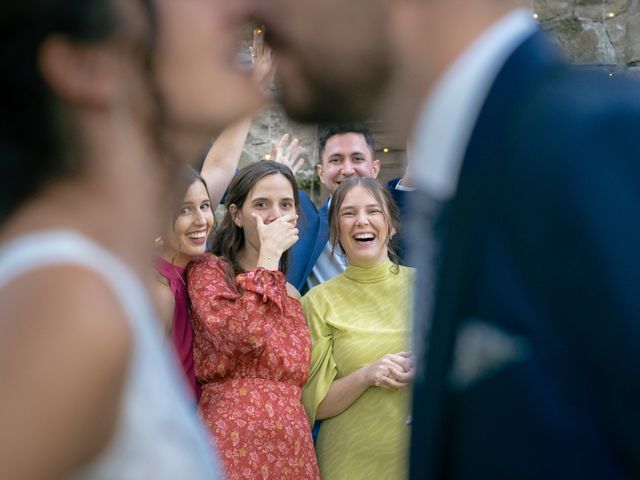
x,y
252,353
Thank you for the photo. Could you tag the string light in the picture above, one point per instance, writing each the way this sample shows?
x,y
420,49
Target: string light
x,y
611,74
611,15
257,30
267,157
535,15
385,150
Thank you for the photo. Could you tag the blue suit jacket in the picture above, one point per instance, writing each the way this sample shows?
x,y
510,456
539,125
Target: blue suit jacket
x,y
533,357
314,235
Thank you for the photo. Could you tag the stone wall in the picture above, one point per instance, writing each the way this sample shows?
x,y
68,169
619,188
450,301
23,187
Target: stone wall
x,y
268,127
272,123
591,32
603,32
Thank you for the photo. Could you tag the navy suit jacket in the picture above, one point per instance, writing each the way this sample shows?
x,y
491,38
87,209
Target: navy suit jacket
x,y
401,241
533,356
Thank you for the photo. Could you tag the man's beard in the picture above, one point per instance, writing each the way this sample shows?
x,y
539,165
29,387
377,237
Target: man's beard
x,y
338,99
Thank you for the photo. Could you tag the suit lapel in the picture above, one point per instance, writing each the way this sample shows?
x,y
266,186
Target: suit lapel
x,y
320,242
462,242
323,231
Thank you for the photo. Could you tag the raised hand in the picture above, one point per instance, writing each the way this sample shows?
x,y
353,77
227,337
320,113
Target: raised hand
x,y
264,67
287,154
394,370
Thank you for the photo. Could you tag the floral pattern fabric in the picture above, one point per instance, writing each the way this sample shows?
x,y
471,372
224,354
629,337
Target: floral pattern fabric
x,y
252,350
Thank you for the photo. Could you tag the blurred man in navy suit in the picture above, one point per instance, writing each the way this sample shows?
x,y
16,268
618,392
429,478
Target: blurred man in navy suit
x,y
528,227
531,344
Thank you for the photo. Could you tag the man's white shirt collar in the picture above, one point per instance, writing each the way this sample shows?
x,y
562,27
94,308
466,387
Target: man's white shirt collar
x,y
451,110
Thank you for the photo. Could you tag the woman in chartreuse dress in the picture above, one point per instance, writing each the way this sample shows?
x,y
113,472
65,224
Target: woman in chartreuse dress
x,y
361,365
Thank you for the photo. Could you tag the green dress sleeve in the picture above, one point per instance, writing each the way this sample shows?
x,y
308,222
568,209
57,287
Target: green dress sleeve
x,y
322,370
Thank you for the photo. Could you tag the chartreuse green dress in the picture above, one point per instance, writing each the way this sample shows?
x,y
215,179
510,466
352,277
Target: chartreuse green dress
x,y
354,319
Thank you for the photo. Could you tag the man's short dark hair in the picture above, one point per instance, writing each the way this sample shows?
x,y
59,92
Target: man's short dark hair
x,y
325,132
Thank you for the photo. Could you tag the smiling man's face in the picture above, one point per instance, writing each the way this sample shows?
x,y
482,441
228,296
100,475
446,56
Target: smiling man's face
x,y
346,155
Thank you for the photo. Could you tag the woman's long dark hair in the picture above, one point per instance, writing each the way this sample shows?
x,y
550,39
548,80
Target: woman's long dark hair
x,y
37,142
229,239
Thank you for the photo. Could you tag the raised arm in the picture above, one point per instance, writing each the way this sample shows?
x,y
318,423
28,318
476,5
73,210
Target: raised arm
x,y
222,159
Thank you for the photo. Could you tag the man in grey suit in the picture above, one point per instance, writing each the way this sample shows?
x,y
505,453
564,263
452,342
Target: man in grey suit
x,y
527,230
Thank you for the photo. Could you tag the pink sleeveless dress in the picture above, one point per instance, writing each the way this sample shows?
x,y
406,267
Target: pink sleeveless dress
x,y
181,333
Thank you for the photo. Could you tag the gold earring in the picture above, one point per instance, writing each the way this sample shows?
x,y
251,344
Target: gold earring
x,y
158,241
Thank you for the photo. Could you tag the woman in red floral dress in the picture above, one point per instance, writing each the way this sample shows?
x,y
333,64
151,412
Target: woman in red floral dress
x,y
251,343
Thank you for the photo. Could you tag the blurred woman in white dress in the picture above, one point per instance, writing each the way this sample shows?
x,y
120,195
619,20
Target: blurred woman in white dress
x,y
102,101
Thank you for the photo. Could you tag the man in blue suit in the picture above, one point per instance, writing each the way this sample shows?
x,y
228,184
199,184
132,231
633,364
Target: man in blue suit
x,y
528,298
345,150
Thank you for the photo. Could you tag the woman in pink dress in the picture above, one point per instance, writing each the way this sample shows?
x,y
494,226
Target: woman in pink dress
x,y
251,343
188,228
186,239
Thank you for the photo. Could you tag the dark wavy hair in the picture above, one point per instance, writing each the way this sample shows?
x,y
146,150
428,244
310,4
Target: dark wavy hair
x,y
326,131
384,199
229,239
36,139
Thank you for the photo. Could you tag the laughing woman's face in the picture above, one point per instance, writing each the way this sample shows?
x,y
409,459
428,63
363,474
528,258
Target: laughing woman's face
x,y
364,229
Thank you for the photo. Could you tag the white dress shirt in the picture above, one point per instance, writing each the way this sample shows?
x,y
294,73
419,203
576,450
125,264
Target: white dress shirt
x,y
450,113
329,264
